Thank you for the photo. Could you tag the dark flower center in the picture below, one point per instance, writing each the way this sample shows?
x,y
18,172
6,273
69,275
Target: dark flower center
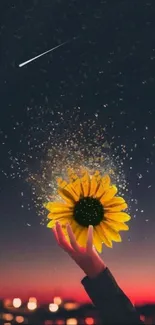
x,y
88,211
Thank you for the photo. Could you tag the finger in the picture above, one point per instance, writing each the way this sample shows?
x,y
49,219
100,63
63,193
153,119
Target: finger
x,y
89,244
72,238
62,240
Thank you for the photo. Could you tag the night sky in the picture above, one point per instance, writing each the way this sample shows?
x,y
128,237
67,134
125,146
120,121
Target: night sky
x,y
106,72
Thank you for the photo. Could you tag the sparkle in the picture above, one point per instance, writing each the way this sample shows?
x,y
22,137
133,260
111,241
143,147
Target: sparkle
x,y
48,152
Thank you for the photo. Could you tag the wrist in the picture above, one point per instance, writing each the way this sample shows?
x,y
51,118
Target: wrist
x,y
95,272
97,266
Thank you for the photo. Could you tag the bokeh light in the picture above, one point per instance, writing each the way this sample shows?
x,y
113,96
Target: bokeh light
x,y
71,321
7,303
33,299
57,300
53,307
89,321
71,305
16,302
32,305
8,317
60,322
19,319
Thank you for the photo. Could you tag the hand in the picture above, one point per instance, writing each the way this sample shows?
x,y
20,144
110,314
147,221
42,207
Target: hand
x,y
87,258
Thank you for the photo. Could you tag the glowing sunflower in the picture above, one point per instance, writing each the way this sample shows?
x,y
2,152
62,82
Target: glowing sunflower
x,y
89,200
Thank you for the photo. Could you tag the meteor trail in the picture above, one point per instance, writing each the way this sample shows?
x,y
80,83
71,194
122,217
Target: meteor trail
x,y
38,56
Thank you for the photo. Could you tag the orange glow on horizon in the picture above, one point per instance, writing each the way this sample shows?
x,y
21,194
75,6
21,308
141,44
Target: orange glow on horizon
x,y
137,292
81,297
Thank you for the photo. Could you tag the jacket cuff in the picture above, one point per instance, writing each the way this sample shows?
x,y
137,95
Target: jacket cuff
x,y
104,283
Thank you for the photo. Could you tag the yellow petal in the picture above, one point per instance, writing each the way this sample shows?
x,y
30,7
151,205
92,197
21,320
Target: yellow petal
x,y
116,208
111,233
51,224
118,226
108,195
70,189
100,191
68,194
93,186
77,187
97,242
61,210
103,187
120,216
66,197
97,175
106,181
82,239
85,182
57,207
82,171
53,204
61,183
62,221
101,232
117,200
57,216
71,174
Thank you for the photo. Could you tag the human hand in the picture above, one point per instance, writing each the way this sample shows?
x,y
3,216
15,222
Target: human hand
x,y
87,258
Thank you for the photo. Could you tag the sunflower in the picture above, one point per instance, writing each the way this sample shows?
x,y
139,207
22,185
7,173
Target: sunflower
x,y
89,200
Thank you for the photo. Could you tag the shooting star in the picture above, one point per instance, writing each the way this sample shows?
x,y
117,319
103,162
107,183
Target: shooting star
x,y
38,56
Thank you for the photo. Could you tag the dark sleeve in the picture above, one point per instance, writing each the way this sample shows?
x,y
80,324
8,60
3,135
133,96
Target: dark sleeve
x,y
113,305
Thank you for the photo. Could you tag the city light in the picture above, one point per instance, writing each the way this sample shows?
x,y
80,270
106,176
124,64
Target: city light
x,y
19,319
60,322
33,299
71,321
32,305
57,300
7,303
71,305
89,321
53,307
8,317
16,302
